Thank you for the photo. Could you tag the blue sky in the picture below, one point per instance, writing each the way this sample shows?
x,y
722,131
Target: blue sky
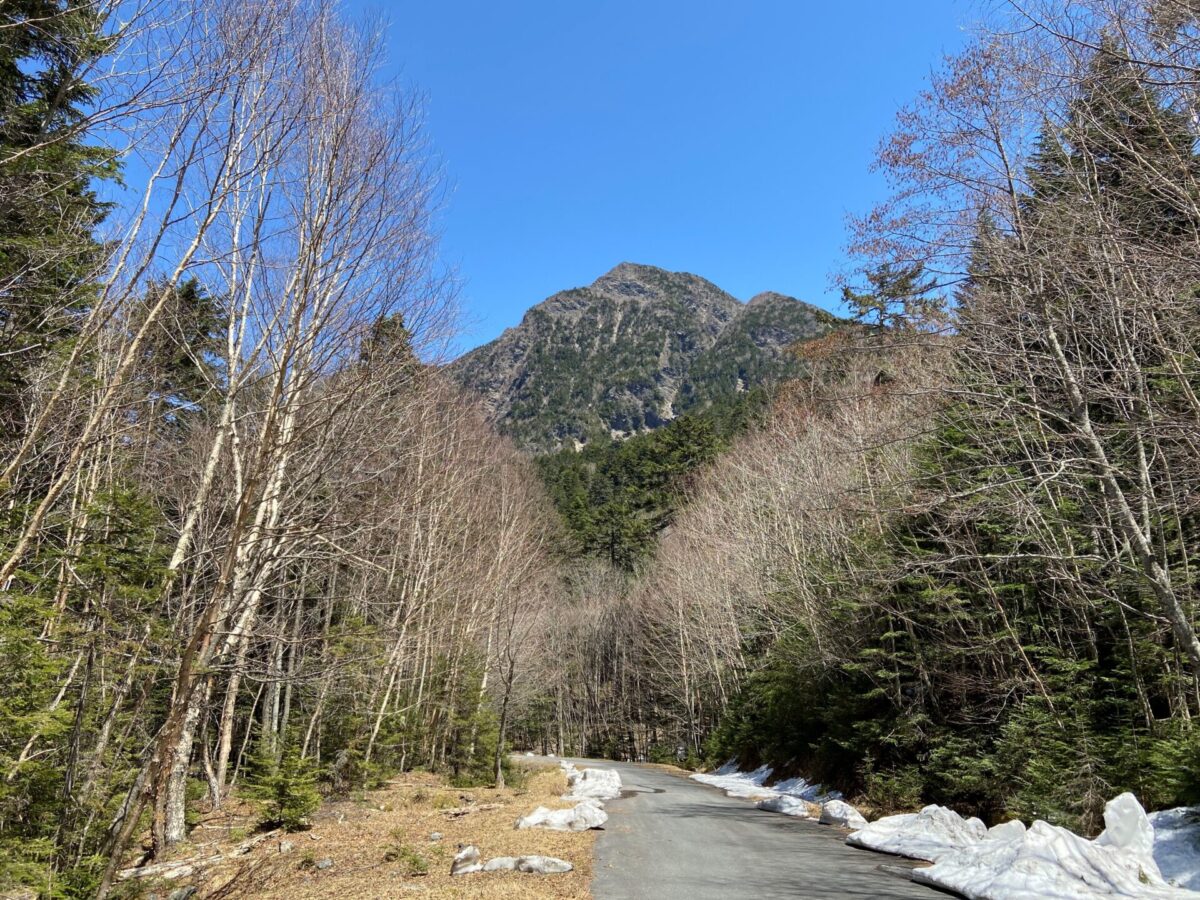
x,y
729,139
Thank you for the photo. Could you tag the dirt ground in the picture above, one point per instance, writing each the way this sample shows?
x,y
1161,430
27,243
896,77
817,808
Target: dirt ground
x,y
379,845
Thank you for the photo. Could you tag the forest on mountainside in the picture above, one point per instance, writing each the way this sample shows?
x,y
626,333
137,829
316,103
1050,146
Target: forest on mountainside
x,y
255,545
616,498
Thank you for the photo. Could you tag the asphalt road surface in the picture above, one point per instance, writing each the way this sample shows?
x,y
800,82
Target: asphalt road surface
x,y
671,838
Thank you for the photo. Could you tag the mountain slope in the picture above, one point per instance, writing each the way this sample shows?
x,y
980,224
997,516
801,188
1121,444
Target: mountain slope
x,y
753,349
630,352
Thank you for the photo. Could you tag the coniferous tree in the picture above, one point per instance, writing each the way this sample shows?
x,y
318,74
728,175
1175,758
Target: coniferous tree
x,y
284,785
898,297
49,207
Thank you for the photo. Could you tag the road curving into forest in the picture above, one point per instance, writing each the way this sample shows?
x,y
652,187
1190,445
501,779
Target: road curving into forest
x,y
671,838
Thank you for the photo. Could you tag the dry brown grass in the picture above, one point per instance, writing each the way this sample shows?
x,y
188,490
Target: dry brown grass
x,y
374,841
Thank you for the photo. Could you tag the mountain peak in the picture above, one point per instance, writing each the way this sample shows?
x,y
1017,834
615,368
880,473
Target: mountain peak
x,y
640,280
629,352
768,297
630,270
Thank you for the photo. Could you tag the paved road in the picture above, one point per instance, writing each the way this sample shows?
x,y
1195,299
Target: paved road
x,y
671,838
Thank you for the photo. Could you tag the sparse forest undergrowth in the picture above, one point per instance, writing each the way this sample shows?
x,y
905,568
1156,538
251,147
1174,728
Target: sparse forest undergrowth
x,y
397,839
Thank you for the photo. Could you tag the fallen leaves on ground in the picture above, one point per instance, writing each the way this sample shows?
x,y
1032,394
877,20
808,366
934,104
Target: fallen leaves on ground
x,y
379,843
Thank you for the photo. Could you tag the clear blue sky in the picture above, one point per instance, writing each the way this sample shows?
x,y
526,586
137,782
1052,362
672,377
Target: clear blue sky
x,y
725,138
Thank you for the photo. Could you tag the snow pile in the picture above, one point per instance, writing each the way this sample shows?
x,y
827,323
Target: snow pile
x,y
467,861
1045,861
589,788
790,806
929,834
805,790
792,797
580,817
1010,862
740,784
535,865
1177,845
593,784
1127,827
841,814
543,865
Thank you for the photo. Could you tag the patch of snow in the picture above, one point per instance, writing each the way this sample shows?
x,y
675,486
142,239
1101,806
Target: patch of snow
x,y
841,814
543,865
1006,831
580,817
790,806
805,790
792,796
929,834
740,784
1046,862
1010,862
593,784
467,861
1177,845
534,865
1127,827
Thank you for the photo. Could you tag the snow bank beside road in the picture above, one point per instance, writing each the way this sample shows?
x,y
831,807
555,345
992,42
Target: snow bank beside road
x,y
929,834
790,806
792,797
1010,862
589,789
1177,845
1050,862
805,790
1153,857
841,814
593,784
739,784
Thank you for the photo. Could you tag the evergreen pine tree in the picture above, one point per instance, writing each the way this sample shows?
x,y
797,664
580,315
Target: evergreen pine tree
x,y
898,297
285,787
49,208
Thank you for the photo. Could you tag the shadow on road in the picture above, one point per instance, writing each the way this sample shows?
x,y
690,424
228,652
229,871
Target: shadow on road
x,y
670,838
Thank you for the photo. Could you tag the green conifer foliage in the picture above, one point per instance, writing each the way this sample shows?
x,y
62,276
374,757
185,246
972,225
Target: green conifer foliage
x,y
48,173
616,497
285,787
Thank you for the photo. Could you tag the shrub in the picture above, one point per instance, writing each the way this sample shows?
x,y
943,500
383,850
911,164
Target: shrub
x,y
284,788
412,861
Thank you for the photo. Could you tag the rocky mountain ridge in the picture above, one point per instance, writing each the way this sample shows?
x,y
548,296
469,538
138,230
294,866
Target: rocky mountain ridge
x,y
631,351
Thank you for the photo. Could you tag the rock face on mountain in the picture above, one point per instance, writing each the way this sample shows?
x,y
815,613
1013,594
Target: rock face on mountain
x,y
631,351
